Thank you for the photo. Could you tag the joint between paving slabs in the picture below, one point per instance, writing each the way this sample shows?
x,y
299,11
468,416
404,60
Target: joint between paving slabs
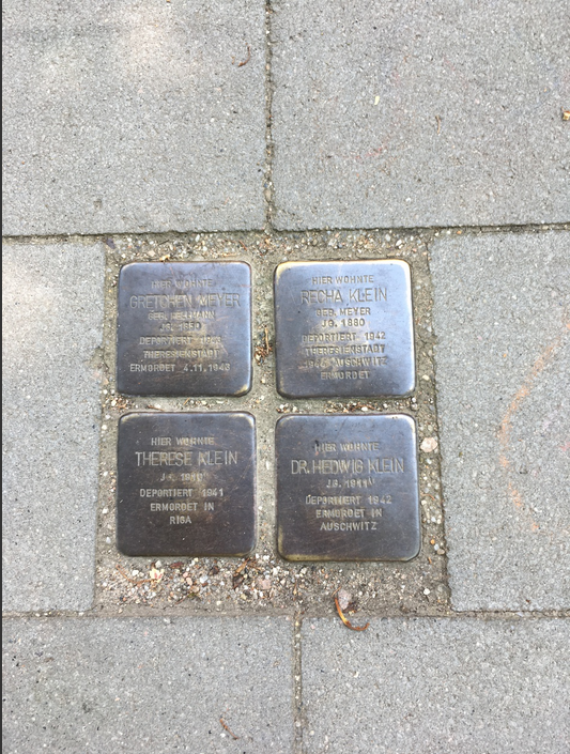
x,y
437,458
300,721
144,612
268,196
173,236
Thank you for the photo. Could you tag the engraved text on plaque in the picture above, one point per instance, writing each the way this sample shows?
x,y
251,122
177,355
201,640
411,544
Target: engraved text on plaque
x,y
186,484
184,328
347,488
344,329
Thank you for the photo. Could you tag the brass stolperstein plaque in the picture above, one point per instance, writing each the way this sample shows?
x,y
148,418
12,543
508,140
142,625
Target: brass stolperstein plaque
x,y
184,328
347,488
344,329
186,484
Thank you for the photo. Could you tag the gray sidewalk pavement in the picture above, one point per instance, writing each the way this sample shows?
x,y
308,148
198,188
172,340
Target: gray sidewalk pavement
x,y
53,323
172,130
148,685
502,321
420,114
462,686
133,117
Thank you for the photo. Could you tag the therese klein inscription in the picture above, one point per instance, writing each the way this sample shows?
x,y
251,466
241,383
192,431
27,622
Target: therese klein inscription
x,y
184,328
347,488
186,484
344,329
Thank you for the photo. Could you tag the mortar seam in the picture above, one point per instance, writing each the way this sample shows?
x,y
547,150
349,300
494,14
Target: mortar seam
x,y
459,615
438,456
299,717
159,236
268,177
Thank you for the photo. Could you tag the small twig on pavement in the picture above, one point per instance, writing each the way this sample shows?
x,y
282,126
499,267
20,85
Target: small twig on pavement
x,y
128,578
246,61
225,727
345,620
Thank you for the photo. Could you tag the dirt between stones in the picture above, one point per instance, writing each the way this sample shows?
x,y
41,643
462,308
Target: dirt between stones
x,y
265,583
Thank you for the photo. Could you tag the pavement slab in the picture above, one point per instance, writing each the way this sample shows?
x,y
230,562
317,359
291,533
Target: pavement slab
x,y
502,322
459,686
53,322
134,116
407,114
96,686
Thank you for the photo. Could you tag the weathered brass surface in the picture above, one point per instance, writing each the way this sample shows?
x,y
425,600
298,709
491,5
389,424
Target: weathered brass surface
x,y
347,488
344,329
186,484
184,328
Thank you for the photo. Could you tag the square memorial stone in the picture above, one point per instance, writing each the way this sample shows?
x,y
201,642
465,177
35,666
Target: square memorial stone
x,y
184,328
344,329
347,488
186,484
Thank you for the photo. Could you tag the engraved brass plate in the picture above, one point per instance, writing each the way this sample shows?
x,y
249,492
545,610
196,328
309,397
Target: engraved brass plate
x,y
186,484
344,329
184,328
347,488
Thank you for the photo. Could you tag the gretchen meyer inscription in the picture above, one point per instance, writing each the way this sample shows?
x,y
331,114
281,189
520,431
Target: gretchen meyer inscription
x,y
344,329
184,328
347,488
186,484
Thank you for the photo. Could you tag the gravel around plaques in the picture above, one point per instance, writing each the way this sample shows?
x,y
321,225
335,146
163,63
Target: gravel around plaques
x,y
264,582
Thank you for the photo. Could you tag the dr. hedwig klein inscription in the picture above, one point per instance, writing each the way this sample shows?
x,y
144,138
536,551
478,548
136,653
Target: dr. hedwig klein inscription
x,y
184,328
344,329
186,484
347,488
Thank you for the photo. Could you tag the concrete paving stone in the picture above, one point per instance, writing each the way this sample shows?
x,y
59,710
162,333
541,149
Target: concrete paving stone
x,y
419,114
96,686
502,321
52,309
133,116
459,686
